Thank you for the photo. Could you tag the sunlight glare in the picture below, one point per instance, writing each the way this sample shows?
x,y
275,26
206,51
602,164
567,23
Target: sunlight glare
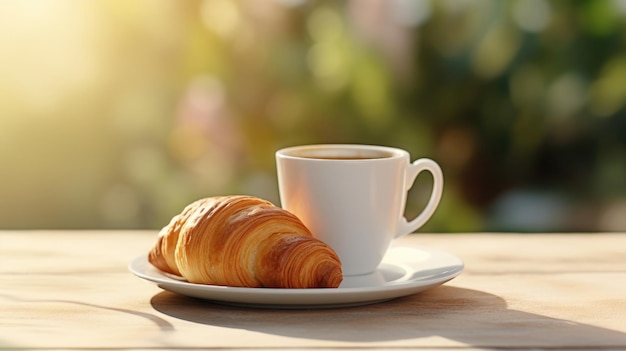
x,y
48,52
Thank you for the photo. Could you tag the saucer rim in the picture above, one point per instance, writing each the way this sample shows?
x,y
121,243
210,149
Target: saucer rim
x,y
292,298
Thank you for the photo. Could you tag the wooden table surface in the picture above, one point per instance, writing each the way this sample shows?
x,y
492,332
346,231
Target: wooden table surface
x,y
72,290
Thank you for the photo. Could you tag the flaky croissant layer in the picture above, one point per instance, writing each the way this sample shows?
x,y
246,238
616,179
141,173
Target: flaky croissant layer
x,y
244,241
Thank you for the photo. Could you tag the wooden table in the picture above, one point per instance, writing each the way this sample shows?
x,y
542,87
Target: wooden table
x,y
72,290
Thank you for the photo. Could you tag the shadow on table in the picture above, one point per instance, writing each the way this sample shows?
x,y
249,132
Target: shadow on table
x,y
468,316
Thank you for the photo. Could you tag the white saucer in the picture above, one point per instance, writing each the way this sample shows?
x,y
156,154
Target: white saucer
x,y
404,271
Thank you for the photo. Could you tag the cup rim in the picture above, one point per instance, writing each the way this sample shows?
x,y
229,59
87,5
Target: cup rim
x,y
395,153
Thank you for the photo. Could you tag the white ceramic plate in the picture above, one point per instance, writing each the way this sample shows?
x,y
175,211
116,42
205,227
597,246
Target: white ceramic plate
x,y
404,271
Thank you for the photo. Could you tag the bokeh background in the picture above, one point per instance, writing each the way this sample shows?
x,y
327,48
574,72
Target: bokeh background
x,y
116,114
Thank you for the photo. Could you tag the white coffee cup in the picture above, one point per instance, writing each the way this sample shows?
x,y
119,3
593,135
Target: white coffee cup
x,y
353,197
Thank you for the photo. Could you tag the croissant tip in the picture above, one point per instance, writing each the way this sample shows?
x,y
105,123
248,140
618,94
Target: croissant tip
x,y
333,277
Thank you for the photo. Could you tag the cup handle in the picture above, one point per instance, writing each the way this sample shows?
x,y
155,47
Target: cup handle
x,y
420,165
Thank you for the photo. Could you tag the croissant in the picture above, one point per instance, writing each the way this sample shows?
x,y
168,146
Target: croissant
x,y
244,241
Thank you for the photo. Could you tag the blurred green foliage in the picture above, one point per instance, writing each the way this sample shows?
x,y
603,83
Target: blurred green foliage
x,y
116,114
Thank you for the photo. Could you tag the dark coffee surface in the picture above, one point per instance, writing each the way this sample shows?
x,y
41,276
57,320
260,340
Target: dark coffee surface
x,y
346,157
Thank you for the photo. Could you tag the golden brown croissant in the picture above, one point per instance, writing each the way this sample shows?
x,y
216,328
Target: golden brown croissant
x,y
244,241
